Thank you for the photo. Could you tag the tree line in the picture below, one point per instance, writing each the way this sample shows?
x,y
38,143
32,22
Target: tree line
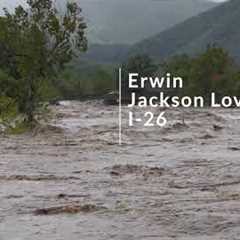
x,y
38,45
213,70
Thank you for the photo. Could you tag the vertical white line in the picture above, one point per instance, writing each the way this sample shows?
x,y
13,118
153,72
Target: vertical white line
x,y
120,106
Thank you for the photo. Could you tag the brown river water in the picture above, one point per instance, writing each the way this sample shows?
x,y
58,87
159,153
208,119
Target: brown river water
x,y
71,180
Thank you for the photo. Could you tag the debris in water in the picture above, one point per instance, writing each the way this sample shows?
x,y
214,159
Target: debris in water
x,y
74,209
36,178
63,195
234,148
120,170
207,136
217,127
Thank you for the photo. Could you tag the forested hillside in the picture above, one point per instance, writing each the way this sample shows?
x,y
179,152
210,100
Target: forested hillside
x,y
217,26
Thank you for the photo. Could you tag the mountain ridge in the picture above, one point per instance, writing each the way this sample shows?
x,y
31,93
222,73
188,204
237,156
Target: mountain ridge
x,y
128,22
217,26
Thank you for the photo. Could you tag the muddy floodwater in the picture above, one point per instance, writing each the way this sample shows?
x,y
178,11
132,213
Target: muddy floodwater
x,y
70,180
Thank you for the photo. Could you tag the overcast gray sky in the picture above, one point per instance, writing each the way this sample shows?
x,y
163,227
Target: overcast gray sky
x,y
105,16
14,2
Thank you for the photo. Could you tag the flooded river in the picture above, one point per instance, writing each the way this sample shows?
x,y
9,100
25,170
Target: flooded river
x,y
71,179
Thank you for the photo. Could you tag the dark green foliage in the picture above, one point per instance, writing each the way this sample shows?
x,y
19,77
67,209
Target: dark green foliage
x,y
37,43
179,65
141,64
212,71
86,81
8,108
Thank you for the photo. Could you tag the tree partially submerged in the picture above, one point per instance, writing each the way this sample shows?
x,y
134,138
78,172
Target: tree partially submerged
x,y
36,43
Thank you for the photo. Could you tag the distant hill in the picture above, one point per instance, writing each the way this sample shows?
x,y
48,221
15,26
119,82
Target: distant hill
x,y
101,53
129,21
219,25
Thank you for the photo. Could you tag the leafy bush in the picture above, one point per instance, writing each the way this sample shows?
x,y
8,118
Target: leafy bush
x,y
8,108
36,43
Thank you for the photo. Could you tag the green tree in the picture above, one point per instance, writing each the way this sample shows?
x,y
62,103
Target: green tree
x,y
179,65
212,71
38,42
141,64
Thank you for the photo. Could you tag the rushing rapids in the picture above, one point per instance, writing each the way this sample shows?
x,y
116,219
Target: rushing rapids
x,y
71,180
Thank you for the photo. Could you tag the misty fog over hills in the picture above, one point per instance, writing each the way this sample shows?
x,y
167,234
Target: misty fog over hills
x,y
160,28
217,26
129,21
